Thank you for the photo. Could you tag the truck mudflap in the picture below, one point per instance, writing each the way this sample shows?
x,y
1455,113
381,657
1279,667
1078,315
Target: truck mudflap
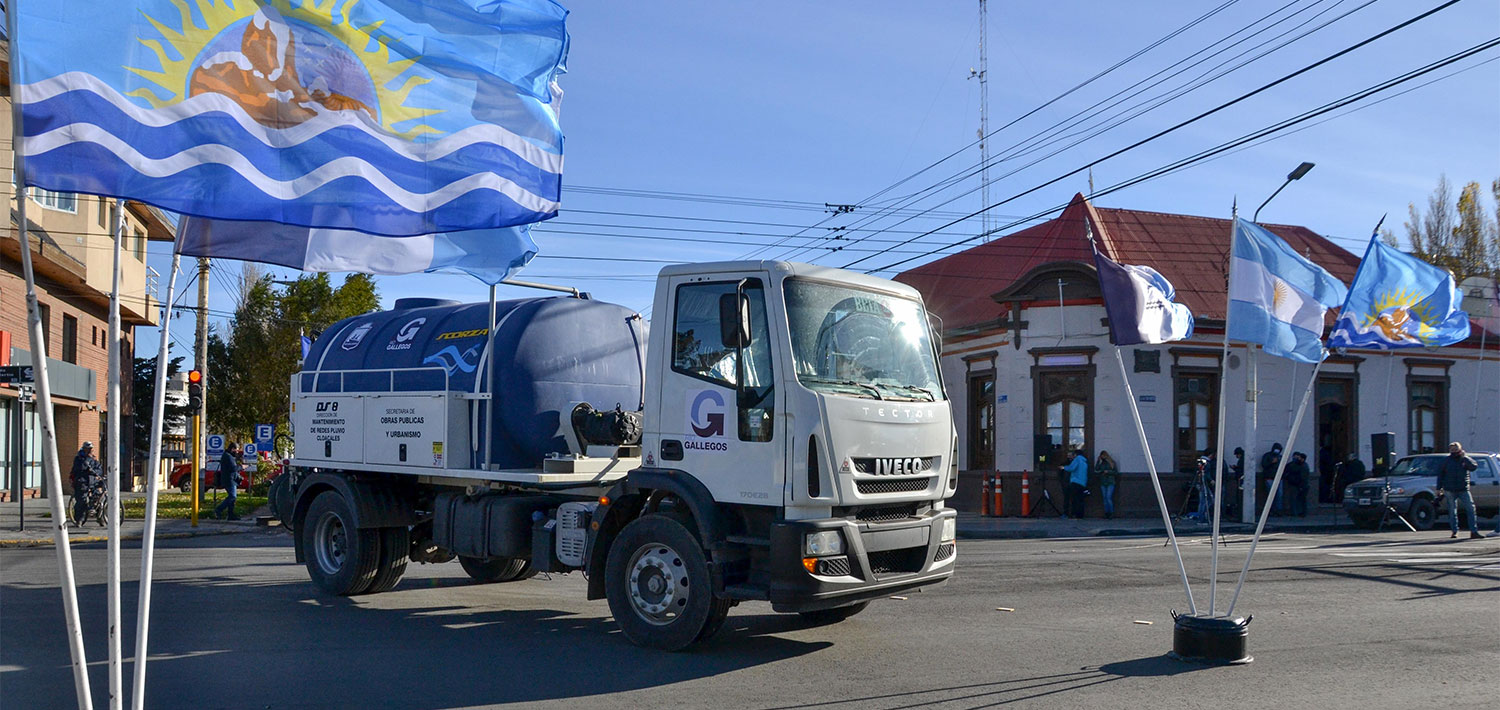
x,y
878,559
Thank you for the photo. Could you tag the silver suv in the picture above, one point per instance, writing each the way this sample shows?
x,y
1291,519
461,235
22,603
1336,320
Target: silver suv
x,y
1414,492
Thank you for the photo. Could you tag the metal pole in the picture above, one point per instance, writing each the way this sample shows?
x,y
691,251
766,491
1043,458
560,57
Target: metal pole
x,y
1252,431
197,468
50,465
489,379
1265,511
114,475
18,454
1213,540
200,359
1161,500
148,536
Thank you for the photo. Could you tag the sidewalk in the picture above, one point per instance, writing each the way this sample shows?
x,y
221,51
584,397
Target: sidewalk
x,y
38,531
975,526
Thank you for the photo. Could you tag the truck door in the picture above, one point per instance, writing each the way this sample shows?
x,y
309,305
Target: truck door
x,y
718,399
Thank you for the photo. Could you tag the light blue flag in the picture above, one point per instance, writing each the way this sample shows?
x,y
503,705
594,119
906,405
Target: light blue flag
x,y
490,255
1277,297
1399,301
393,117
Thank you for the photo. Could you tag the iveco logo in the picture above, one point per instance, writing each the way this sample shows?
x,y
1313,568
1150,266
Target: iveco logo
x,y
897,467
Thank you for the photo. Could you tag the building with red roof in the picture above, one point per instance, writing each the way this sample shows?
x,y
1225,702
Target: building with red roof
x,y
1029,367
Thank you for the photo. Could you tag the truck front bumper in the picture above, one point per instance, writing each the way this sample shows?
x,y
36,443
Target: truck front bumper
x,y
878,559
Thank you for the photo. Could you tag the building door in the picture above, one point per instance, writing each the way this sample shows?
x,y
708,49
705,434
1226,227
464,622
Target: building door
x,y
1337,432
981,434
1196,397
1065,403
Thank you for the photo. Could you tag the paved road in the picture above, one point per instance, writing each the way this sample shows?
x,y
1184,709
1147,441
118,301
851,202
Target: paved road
x,y
1341,621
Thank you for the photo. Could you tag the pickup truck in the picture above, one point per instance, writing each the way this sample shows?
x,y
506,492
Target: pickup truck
x,y
1414,492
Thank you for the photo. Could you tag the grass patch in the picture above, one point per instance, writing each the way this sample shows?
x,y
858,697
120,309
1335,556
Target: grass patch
x,y
180,506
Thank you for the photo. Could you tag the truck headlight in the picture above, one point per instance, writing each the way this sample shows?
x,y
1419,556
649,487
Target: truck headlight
x,y
820,544
949,531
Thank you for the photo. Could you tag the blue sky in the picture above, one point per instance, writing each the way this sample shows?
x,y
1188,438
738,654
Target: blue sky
x,y
784,106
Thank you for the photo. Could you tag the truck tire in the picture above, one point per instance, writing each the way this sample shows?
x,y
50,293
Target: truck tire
x,y
1422,513
657,583
823,617
497,569
395,543
280,498
341,559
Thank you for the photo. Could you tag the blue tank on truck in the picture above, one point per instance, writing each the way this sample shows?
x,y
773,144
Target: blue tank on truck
x,y
550,353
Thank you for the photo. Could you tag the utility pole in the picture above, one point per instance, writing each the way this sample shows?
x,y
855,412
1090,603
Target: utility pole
x,y
984,124
200,359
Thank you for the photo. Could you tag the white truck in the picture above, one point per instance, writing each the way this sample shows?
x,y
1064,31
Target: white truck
x,y
784,437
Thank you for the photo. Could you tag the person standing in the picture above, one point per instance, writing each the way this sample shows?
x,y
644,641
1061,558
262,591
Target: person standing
x,y
229,480
1109,477
1297,475
1268,463
1453,478
1349,472
1078,481
84,476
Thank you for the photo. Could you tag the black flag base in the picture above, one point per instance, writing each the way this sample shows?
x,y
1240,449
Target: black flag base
x,y
1210,640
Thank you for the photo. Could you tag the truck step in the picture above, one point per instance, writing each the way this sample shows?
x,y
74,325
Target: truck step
x,y
748,540
748,592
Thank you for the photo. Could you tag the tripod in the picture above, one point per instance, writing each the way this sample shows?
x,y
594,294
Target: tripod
x,y
1390,511
1046,496
1205,500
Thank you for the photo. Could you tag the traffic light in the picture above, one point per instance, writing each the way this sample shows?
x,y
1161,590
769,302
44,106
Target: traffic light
x,y
195,390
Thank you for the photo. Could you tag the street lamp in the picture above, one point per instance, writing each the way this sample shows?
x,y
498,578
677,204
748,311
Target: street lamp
x,y
1293,175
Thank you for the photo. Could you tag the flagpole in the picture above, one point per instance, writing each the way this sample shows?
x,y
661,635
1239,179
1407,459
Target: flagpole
x,y
1265,512
50,465
1161,500
112,424
1213,540
148,536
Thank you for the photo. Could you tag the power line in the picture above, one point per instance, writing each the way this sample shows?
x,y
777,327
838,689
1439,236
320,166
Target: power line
x,y
1223,147
1194,119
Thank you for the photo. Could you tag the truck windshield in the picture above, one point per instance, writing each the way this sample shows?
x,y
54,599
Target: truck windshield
x,y
859,343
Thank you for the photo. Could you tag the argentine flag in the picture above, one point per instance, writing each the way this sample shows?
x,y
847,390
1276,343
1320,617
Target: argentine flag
x,y
1277,297
490,255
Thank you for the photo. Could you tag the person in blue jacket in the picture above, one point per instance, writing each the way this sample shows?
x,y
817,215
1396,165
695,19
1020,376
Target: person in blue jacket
x,y
1078,481
229,480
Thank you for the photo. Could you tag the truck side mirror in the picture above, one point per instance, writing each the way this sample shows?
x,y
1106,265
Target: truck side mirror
x,y
734,320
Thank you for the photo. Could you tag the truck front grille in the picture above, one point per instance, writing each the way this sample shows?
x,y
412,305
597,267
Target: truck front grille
x,y
1368,491
904,485
913,466
945,551
886,514
904,561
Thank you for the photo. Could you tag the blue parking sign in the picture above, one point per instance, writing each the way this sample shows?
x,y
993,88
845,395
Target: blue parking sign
x,y
215,446
264,433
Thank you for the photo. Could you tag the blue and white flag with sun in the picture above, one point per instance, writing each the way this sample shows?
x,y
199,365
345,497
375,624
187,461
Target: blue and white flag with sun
x,y
391,117
1399,301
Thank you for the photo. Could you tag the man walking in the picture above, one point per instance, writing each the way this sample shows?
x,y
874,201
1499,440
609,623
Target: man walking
x,y
229,480
1453,478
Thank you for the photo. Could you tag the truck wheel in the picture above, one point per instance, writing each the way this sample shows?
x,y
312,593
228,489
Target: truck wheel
x,y
823,617
1422,514
497,569
341,559
656,579
280,498
394,546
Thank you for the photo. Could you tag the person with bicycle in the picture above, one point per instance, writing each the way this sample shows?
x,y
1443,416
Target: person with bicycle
x,y
85,476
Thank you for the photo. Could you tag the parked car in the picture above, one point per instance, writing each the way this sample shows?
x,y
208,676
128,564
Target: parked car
x,y
181,477
1414,492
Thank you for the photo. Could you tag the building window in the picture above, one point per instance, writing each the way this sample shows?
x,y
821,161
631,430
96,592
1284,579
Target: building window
x,y
70,339
1427,414
45,312
981,432
140,245
1065,402
1195,398
60,201
104,212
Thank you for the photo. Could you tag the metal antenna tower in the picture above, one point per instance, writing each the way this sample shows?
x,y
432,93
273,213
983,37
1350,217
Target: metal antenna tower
x,y
984,123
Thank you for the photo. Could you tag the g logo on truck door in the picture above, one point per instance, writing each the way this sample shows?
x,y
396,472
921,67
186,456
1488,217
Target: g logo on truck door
x,y
708,408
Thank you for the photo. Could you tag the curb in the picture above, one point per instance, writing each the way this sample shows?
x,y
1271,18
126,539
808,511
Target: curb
x,y
1033,534
90,539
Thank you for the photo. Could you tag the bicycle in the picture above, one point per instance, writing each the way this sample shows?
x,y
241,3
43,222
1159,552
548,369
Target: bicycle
x,y
97,498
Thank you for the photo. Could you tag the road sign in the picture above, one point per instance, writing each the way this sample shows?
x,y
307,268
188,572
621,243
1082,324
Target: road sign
x,y
264,433
215,445
248,453
17,374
